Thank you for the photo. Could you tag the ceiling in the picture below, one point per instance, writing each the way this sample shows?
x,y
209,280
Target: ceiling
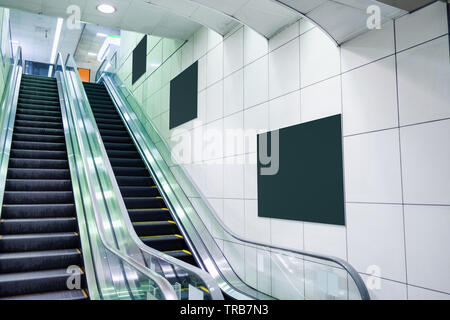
x,y
179,19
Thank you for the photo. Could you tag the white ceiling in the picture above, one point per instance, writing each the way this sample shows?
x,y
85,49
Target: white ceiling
x,y
35,34
341,19
179,19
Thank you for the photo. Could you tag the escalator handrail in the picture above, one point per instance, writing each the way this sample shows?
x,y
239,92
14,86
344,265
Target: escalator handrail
x,y
166,289
362,289
8,114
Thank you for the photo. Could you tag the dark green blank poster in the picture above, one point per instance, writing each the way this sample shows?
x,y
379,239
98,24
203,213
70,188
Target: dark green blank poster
x,y
309,183
183,97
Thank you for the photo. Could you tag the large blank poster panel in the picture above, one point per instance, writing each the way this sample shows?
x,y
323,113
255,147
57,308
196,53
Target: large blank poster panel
x,y
139,60
183,97
309,183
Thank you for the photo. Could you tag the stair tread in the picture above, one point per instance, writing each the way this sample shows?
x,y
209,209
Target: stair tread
x,y
30,275
35,254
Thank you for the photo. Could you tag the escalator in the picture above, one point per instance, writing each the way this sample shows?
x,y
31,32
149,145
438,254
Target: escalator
x,y
39,237
147,210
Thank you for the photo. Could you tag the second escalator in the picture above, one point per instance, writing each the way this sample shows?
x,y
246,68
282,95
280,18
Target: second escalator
x,y
148,212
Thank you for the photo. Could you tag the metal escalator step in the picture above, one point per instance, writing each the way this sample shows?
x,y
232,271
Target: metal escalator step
x,y
144,202
21,283
37,225
19,173
124,162
19,211
130,171
38,154
34,112
158,214
136,191
41,118
38,185
40,131
108,120
154,228
165,242
119,146
32,145
38,107
38,197
38,163
38,137
184,255
38,124
39,260
39,241
123,154
134,181
56,295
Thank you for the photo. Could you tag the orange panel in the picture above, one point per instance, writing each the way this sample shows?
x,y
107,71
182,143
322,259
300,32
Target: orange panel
x,y
84,74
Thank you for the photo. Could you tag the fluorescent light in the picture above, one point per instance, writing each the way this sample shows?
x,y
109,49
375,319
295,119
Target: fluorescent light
x,y
99,34
92,54
106,8
55,44
108,65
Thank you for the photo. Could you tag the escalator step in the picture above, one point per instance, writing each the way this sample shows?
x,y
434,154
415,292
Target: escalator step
x,y
158,214
108,121
128,191
123,154
165,242
116,139
144,202
38,154
130,171
21,211
38,137
38,163
34,112
154,228
43,118
19,173
38,197
39,242
37,225
119,133
31,145
134,181
123,162
184,255
12,284
56,295
39,260
119,146
110,126
38,185
38,107
38,124
31,130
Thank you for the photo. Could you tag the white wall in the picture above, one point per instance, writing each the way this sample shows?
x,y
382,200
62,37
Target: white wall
x,y
392,87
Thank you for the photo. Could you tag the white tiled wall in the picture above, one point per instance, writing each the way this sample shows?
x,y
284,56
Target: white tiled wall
x,y
392,87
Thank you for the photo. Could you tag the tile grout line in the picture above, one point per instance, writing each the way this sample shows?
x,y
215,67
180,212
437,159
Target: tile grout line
x,y
400,156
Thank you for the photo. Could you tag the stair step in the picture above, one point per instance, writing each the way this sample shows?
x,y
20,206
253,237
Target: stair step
x,y
38,197
183,255
134,191
39,242
38,131
144,202
38,124
165,242
130,171
35,112
38,137
32,145
21,283
19,211
123,154
134,181
38,154
38,107
157,214
40,118
56,295
19,173
154,228
38,163
37,225
124,162
38,185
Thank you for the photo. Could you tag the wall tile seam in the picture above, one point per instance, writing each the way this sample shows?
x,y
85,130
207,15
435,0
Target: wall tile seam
x,y
422,43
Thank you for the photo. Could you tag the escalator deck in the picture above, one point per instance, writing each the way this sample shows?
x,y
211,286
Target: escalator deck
x,y
39,237
148,212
